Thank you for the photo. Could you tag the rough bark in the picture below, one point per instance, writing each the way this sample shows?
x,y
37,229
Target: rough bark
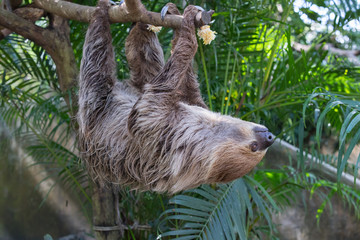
x,y
56,41
25,28
62,53
132,11
106,216
29,13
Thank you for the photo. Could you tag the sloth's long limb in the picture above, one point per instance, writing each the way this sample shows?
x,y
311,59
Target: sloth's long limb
x,y
178,77
97,71
171,8
190,87
166,90
144,55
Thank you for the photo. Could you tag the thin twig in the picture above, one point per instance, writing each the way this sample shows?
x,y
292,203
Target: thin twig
x,y
121,227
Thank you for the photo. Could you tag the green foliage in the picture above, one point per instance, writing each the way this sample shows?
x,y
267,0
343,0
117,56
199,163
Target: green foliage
x,y
229,211
348,120
32,105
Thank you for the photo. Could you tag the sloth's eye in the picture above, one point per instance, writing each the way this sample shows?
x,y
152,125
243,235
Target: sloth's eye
x,y
254,146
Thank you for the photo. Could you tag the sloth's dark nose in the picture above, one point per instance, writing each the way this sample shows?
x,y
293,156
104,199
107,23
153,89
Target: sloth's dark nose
x,y
264,137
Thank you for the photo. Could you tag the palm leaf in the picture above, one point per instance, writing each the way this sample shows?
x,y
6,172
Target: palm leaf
x,y
33,106
349,132
224,213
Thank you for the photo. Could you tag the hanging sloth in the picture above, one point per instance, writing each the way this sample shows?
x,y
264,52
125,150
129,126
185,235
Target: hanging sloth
x,y
154,131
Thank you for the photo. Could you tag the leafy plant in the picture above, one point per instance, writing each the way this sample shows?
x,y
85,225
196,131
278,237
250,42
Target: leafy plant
x,y
338,111
33,107
226,212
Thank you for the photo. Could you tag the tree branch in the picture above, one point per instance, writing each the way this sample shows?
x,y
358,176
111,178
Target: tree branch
x,y
122,227
118,14
66,10
52,41
133,6
24,28
29,13
350,54
282,151
131,11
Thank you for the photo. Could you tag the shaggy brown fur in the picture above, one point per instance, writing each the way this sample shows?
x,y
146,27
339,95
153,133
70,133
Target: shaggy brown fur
x,y
173,10
154,132
190,87
144,55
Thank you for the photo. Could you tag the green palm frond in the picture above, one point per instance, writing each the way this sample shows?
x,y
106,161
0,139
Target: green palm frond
x,y
28,60
338,111
228,212
32,105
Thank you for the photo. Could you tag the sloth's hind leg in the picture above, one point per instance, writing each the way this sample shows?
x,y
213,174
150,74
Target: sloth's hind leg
x,y
144,55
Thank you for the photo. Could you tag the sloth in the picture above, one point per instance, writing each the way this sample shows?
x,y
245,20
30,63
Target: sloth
x,y
154,131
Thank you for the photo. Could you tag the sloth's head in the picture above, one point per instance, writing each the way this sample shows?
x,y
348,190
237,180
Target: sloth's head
x,y
243,146
237,146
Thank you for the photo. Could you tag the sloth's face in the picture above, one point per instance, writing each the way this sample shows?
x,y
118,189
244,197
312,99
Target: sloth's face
x,y
240,146
237,146
233,147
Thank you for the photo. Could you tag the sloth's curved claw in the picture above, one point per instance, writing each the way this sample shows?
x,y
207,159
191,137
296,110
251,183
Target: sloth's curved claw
x,y
169,8
116,3
200,8
163,12
203,17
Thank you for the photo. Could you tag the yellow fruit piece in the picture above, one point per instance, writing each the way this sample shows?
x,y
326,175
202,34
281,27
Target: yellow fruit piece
x,y
206,34
154,29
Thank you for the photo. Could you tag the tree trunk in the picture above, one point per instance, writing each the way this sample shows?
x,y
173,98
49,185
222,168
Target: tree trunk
x,y
106,215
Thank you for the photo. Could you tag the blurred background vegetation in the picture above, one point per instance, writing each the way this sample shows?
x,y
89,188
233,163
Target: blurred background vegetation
x,y
291,65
